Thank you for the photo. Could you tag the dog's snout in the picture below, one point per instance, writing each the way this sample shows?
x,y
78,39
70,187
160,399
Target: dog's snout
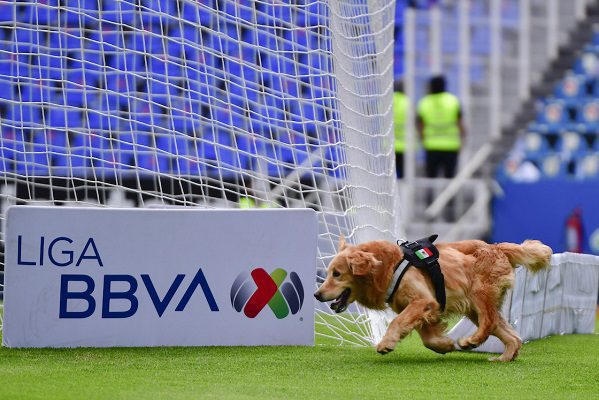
x,y
318,295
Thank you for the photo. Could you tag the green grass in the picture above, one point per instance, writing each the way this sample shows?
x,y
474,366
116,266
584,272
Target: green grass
x,y
557,367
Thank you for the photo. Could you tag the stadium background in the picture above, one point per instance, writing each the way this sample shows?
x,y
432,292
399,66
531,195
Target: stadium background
x,y
134,103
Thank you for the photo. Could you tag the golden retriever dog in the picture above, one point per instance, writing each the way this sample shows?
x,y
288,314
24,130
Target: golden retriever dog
x,y
476,276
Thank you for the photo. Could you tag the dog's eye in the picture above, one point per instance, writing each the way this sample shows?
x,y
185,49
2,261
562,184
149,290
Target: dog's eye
x,y
336,274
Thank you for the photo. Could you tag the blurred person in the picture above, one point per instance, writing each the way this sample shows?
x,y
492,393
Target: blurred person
x,y
440,128
400,112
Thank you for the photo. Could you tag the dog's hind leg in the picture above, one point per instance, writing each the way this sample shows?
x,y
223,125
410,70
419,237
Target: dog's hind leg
x,y
487,317
415,315
433,337
510,339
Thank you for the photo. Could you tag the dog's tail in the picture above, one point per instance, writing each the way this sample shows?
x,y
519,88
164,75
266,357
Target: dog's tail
x,y
532,254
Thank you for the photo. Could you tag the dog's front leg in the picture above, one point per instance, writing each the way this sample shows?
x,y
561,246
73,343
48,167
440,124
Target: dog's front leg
x,y
417,313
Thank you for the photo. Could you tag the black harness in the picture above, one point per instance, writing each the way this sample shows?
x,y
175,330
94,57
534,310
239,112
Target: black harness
x,y
421,254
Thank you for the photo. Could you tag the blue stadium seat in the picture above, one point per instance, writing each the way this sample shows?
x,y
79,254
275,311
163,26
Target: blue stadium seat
x,y
119,11
240,9
12,142
157,86
92,61
127,145
274,13
588,113
112,41
481,39
572,86
26,40
7,11
7,68
177,148
7,91
553,113
158,11
198,13
334,159
587,167
70,39
317,14
173,144
56,117
174,69
80,12
76,161
25,115
157,68
587,64
57,144
237,94
216,150
298,40
553,166
35,159
37,14
100,122
571,144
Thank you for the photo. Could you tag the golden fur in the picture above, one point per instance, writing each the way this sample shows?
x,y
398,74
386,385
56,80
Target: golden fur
x,y
477,276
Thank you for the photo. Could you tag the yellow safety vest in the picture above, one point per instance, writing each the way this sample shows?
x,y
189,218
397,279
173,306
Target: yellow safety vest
x,y
440,114
247,202
400,111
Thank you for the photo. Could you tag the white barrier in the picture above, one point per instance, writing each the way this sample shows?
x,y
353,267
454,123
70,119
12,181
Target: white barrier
x,y
99,277
559,300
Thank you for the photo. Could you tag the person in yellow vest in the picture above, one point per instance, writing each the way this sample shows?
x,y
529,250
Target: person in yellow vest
x,y
400,112
249,202
441,129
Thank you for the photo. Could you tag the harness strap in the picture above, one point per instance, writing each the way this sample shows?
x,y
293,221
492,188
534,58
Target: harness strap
x,y
424,255
401,269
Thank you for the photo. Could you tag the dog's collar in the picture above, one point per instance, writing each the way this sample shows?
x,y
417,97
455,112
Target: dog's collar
x,y
400,270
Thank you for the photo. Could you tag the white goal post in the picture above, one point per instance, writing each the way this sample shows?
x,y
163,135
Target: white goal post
x,y
209,103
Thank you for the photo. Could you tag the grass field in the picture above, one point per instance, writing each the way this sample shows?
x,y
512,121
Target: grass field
x,y
565,367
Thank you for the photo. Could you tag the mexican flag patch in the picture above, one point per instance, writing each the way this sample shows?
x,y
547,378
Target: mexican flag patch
x,y
423,253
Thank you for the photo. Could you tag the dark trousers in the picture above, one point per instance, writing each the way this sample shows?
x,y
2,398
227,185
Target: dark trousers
x,y
399,165
441,162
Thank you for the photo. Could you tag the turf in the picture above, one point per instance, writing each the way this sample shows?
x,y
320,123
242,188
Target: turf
x,y
557,367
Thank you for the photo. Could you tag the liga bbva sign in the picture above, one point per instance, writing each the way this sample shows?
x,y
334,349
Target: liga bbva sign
x,y
177,277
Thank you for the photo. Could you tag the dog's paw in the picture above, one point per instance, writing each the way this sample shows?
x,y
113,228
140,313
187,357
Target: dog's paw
x,y
385,347
466,344
500,359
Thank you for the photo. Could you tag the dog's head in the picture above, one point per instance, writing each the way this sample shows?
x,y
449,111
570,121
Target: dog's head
x,y
344,275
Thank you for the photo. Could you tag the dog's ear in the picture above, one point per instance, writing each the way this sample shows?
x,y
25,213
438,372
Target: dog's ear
x,y
361,262
342,244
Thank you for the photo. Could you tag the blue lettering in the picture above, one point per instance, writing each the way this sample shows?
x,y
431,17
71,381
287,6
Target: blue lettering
x,y
96,256
42,239
160,305
69,253
198,279
86,295
127,295
20,260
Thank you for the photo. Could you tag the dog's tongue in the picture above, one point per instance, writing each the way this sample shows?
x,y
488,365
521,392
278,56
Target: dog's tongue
x,y
340,304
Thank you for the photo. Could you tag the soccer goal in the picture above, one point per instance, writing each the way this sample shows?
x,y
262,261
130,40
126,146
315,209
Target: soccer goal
x,y
208,103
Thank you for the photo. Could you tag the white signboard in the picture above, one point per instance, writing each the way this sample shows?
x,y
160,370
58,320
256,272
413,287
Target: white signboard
x,y
132,277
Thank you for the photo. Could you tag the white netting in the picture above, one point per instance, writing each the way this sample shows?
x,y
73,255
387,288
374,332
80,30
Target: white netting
x,y
211,103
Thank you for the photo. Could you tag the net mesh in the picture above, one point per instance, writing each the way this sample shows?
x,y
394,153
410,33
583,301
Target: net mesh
x,y
218,104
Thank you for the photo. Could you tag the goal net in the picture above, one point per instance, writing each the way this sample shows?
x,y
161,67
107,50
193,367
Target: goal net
x,y
210,103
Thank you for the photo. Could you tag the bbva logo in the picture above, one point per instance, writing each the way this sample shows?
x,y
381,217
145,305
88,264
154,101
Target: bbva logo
x,y
252,295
